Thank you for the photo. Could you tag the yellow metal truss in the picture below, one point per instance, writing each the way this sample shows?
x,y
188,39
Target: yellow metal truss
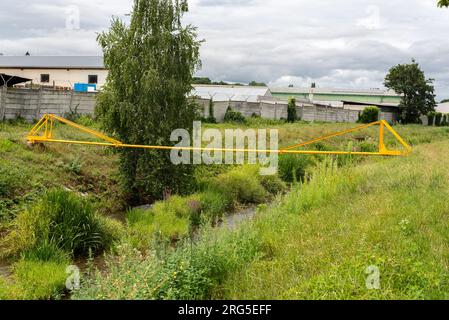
x,y
46,124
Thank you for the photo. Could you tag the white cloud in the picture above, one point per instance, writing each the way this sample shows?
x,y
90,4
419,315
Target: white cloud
x,y
349,43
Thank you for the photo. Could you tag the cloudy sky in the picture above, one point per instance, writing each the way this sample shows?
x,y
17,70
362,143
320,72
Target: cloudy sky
x,y
335,43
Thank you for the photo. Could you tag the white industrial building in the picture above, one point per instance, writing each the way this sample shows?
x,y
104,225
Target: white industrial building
x,y
231,93
443,107
56,71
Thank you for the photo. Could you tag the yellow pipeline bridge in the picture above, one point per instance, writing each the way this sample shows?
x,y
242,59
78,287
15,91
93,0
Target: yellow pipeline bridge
x,y
43,133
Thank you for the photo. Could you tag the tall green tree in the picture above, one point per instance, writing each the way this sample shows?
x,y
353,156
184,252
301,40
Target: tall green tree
x,y
417,92
443,3
151,64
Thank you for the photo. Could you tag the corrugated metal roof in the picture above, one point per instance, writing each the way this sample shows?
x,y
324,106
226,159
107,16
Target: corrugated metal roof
x,y
52,62
383,92
443,107
233,93
380,104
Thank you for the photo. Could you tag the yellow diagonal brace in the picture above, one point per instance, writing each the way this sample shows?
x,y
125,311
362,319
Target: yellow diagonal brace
x,y
337,134
110,142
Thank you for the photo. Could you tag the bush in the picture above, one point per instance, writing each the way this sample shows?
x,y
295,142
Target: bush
x,y
431,118
444,122
292,115
213,205
369,115
273,184
234,116
239,185
211,118
438,118
292,168
60,219
85,120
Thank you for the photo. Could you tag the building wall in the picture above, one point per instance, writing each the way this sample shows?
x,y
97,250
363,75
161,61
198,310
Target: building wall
x,y
60,77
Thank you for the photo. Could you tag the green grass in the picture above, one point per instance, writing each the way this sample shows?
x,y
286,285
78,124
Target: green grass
x,y
34,280
391,214
316,243
62,220
26,173
179,217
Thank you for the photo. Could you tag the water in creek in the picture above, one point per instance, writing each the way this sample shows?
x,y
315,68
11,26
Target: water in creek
x,y
234,220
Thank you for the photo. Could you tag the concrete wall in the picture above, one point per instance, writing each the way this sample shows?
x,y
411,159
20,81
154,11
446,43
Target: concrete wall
x,y
32,104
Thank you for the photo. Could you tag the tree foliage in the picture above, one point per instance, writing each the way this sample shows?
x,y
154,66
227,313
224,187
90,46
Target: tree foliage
x,y
234,116
417,92
443,3
151,64
257,84
292,115
369,115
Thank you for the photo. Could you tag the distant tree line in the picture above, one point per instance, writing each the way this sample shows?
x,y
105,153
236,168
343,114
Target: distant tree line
x,y
206,80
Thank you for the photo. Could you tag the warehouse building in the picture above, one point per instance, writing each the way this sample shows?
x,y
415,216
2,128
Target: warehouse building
x,y
56,71
375,96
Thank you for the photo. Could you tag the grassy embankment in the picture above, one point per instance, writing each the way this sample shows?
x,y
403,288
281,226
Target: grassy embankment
x,y
316,243
207,271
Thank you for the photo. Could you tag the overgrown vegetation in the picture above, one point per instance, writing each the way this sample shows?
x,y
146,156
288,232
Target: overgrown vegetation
x,y
369,115
145,97
315,244
60,220
173,233
232,116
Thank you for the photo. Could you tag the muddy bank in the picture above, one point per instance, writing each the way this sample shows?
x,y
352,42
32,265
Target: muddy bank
x,y
5,269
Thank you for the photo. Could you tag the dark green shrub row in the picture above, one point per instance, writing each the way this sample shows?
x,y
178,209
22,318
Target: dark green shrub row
x,y
234,116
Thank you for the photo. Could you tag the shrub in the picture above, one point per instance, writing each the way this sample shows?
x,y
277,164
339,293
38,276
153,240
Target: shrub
x,y
234,116
291,110
61,219
292,168
239,185
431,118
438,118
74,166
213,205
85,120
444,122
211,118
369,115
273,184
